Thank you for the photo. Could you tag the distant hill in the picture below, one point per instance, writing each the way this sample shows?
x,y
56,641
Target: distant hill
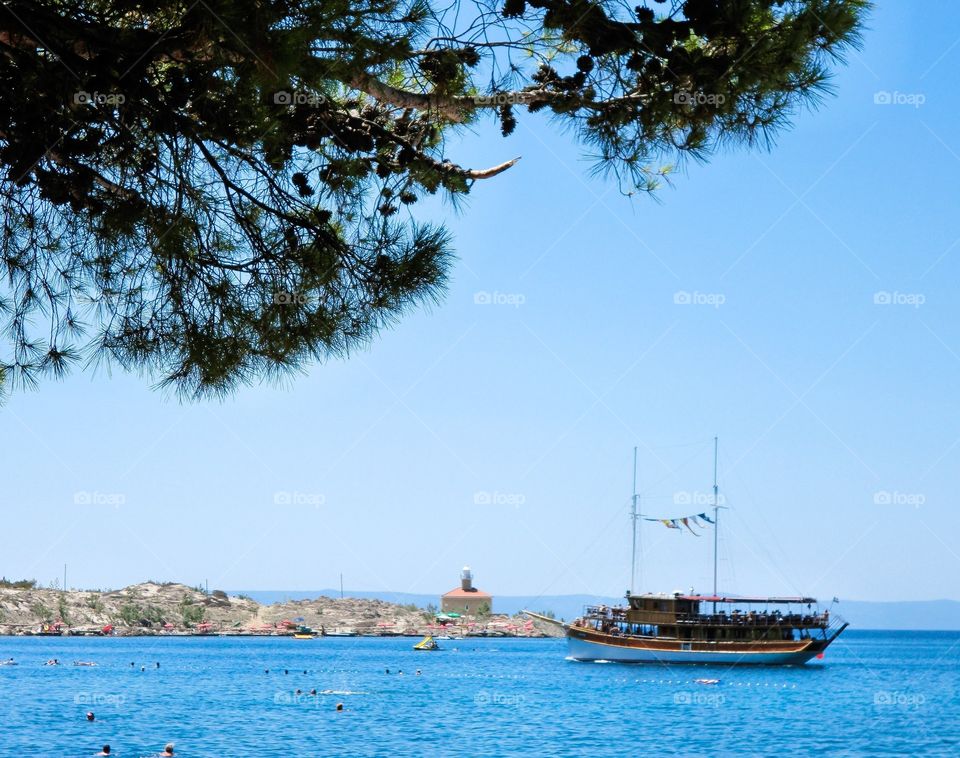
x,y
862,614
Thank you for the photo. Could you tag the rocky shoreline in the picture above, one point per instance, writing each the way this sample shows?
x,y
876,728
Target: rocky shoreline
x,y
150,608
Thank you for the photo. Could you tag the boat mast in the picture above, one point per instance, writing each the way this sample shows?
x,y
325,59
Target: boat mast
x,y
716,522
633,526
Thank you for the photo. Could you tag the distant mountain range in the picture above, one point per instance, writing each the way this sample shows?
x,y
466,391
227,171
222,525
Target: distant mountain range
x,y
862,614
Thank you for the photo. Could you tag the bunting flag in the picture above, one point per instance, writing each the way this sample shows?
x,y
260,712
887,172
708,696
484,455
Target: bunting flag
x,y
685,521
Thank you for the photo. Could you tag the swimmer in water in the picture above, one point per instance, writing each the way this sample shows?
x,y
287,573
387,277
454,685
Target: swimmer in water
x,y
90,716
105,751
339,706
167,749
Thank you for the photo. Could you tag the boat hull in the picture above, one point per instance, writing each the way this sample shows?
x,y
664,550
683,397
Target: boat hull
x,y
587,646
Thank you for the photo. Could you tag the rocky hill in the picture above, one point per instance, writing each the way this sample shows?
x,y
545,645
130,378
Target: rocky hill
x,y
151,608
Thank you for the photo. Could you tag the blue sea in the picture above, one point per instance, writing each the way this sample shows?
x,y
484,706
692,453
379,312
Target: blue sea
x,y
876,693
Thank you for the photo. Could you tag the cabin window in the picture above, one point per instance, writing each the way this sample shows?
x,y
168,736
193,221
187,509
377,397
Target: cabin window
x,y
685,646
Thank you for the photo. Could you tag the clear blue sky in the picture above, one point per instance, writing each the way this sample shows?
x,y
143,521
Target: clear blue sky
x,y
821,397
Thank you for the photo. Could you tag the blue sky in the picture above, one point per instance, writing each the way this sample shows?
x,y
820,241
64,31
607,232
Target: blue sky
x,y
821,343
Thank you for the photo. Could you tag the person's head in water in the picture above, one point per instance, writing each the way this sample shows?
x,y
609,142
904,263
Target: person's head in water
x,y
105,751
339,706
168,749
90,716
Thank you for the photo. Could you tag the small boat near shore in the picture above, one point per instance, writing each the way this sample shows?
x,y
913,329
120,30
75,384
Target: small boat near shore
x,y
427,643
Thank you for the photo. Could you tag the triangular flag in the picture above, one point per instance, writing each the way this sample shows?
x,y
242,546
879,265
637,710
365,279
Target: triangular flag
x,y
686,523
705,518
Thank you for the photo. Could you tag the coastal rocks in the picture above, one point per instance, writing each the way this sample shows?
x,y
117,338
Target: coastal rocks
x,y
152,608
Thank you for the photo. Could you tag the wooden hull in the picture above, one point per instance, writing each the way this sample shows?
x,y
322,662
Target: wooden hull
x,y
590,645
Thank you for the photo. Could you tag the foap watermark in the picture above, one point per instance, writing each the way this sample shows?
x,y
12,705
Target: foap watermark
x,y
485,497
106,299
885,97
286,497
498,698
312,99
698,98
899,699
515,299
294,698
714,299
888,497
99,698
685,497
290,298
499,98
712,699
914,299
87,497
82,97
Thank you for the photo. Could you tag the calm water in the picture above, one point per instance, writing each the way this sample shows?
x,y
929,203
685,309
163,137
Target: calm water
x,y
875,692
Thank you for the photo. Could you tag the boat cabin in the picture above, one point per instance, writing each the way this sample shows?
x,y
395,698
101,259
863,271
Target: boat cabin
x,y
710,618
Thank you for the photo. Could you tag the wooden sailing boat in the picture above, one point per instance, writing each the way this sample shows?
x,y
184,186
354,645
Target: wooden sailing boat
x,y
679,628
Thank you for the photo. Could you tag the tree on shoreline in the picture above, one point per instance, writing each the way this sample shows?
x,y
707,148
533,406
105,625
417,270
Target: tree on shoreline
x,y
219,192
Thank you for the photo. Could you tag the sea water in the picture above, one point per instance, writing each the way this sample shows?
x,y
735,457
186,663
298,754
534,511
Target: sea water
x,y
873,693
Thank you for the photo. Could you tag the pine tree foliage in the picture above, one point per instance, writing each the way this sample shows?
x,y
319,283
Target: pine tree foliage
x,y
222,191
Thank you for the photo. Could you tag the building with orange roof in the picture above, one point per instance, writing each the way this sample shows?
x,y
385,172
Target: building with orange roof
x,y
466,599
